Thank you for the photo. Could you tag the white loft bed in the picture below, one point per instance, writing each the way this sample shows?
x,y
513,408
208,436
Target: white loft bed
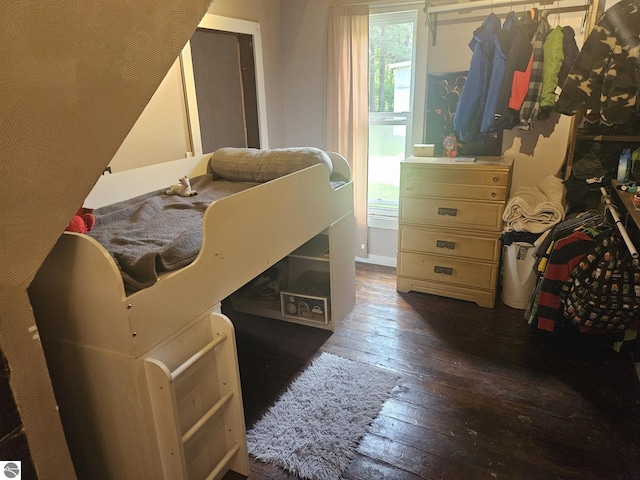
x,y
148,384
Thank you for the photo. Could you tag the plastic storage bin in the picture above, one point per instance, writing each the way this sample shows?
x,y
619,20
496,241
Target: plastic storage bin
x,y
518,274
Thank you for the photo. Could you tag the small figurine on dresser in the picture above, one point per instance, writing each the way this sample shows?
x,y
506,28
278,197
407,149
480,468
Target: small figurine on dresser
x,y
450,145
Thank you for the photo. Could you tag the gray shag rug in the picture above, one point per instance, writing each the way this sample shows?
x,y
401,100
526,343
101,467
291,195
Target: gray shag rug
x,y
314,429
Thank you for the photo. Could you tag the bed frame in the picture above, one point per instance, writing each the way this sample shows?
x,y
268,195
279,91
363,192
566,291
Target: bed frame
x,y
148,384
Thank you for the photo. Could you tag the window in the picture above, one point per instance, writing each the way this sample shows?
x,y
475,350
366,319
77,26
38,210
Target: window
x,y
391,61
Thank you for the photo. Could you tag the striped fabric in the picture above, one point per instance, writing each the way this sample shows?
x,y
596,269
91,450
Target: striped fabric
x,y
531,104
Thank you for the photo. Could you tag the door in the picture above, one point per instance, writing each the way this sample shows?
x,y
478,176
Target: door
x,y
224,88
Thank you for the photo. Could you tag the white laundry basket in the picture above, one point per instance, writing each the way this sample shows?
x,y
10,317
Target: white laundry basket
x,y
518,274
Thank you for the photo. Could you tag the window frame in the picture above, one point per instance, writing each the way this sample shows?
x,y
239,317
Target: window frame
x,y
388,217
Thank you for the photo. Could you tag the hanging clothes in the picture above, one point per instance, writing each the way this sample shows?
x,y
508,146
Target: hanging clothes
x,y
548,246
503,40
567,57
566,254
531,104
520,87
570,50
553,58
469,107
604,76
588,281
517,60
603,290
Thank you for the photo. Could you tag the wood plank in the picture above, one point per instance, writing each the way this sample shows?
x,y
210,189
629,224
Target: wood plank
x,y
481,395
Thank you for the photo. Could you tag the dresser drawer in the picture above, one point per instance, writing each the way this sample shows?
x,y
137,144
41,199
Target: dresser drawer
x,y
474,192
448,270
452,213
464,175
443,242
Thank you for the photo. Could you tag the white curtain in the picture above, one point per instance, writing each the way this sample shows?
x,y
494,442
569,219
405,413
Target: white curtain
x,y
347,130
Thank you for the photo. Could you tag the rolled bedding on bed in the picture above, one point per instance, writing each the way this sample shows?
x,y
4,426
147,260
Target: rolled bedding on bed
x,y
254,165
535,209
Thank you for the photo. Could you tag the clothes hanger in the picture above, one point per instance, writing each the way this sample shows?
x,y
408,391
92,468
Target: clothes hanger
x,y
589,219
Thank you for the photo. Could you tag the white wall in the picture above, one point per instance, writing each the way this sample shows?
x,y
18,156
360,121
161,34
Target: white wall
x,y
304,51
161,132
294,38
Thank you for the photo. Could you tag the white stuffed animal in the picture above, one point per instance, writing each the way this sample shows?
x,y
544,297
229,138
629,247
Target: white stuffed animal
x,y
183,188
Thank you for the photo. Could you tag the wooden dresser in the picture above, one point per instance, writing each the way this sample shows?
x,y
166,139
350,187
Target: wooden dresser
x,y
449,226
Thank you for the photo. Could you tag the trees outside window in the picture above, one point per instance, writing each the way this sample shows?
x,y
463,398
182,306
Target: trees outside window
x,y
391,55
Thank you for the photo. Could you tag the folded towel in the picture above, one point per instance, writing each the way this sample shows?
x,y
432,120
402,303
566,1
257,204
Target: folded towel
x,y
535,209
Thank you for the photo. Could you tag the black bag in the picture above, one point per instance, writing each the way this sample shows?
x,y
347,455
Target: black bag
x,y
603,290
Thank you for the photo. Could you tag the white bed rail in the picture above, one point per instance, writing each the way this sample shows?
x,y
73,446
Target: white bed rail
x,y
340,165
115,187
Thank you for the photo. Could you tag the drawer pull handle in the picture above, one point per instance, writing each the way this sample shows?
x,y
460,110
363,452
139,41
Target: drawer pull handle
x,y
445,244
493,194
443,270
451,212
495,179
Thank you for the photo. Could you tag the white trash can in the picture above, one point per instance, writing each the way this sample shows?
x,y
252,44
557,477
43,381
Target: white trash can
x,y
519,274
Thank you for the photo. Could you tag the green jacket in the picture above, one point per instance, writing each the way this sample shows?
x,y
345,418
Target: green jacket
x,y
553,58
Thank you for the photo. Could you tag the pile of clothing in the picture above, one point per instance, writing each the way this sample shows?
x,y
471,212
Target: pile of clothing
x,y
587,280
594,165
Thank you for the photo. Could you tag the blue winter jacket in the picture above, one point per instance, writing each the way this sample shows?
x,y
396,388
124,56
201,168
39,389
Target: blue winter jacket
x,y
503,41
474,93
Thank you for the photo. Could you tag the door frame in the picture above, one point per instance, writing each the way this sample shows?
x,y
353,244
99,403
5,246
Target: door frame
x,y
226,24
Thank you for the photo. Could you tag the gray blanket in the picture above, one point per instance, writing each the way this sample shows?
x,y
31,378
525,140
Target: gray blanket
x,y
155,232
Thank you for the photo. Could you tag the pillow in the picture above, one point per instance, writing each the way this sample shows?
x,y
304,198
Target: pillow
x,y
254,165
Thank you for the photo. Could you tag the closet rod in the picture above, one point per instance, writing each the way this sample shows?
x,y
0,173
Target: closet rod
x,y
432,11
455,7
623,231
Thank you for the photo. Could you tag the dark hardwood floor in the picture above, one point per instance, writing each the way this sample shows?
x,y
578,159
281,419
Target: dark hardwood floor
x,y
481,395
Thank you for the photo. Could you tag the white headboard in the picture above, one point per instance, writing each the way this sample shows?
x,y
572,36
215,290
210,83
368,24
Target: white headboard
x,y
115,187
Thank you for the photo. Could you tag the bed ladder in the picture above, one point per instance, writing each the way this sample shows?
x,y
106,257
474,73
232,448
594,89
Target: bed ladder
x,y
195,409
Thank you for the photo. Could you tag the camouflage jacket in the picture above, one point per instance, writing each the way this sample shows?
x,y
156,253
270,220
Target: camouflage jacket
x,y
604,76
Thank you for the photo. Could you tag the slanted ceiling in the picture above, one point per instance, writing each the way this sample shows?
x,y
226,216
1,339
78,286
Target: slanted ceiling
x,y
75,77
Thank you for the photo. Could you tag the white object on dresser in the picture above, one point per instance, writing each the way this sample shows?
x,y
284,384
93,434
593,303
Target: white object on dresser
x,y
449,226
